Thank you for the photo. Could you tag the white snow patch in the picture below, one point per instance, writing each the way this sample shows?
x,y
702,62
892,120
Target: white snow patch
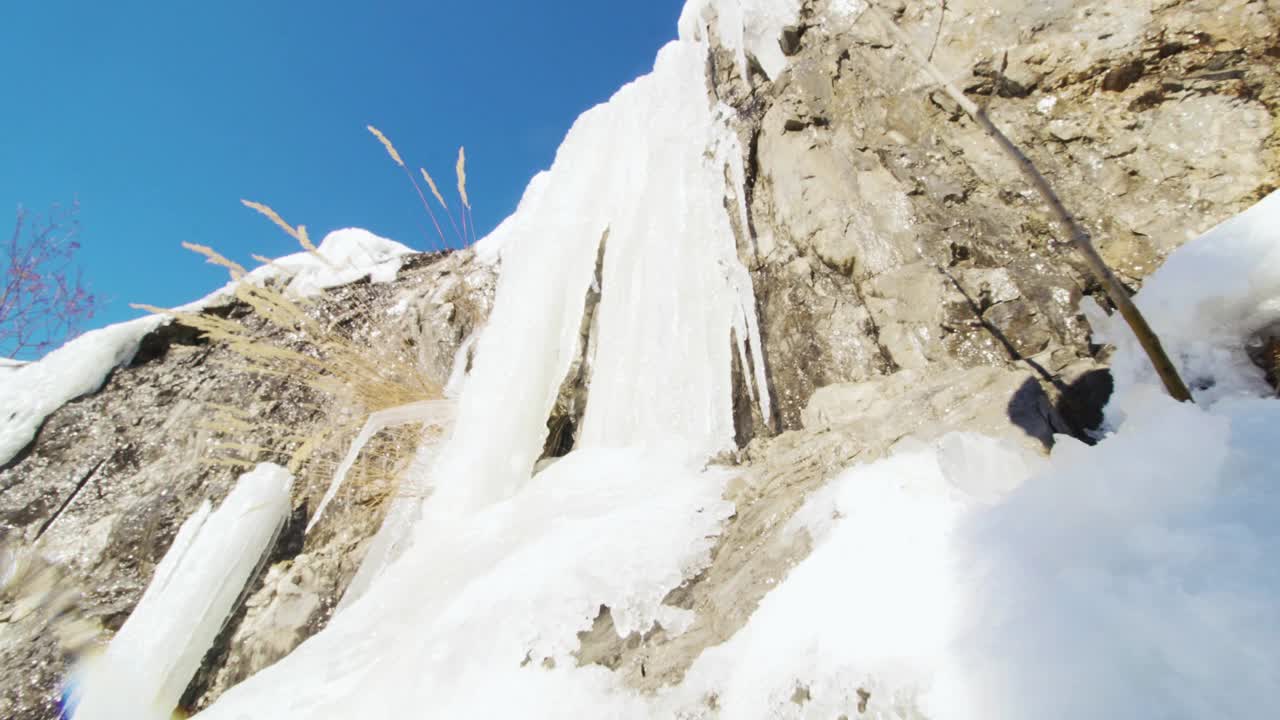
x,y
149,663
846,8
871,606
469,622
1204,303
1133,579
343,257
31,391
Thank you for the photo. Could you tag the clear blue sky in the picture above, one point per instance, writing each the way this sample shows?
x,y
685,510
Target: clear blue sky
x,y
160,116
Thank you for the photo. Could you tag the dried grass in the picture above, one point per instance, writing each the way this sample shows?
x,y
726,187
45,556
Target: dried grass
x,y
391,149
353,378
464,211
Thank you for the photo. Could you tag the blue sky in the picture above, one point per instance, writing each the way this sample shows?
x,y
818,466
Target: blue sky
x,y
159,116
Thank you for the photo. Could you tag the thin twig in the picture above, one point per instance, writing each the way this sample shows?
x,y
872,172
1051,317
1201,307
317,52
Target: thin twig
x,y
1116,291
937,33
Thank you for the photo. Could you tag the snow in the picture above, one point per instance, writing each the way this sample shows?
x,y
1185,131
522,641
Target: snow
x,y
30,392
149,663
1205,302
343,257
1132,579
869,608
467,622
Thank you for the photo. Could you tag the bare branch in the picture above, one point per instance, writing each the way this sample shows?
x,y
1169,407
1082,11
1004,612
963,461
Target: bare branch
x,y
1116,291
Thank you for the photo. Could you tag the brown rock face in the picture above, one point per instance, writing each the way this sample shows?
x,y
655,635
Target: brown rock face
x,y
889,233
111,476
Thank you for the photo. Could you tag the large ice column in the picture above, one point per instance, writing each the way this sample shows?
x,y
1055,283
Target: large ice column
x,y
639,169
661,376
149,663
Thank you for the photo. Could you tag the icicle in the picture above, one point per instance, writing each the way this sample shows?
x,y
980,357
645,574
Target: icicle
x,y
149,663
395,533
431,412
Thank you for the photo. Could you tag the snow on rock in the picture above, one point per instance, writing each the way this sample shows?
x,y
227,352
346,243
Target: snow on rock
x,y
743,26
1133,579
149,663
31,391
871,607
344,256
481,618
1205,302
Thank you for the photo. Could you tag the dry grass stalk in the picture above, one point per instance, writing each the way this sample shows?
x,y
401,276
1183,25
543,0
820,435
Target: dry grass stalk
x,y
461,170
357,379
391,150
1115,290
462,176
214,258
299,233
436,191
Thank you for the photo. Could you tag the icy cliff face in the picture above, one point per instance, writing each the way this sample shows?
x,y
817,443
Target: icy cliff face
x,y
633,175
639,176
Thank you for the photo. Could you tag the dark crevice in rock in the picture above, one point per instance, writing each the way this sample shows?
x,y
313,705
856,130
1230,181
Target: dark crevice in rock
x,y
1081,402
571,401
84,480
890,366
745,416
155,344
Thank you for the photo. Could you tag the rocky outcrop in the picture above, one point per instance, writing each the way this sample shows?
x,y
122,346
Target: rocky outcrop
x,y
889,234
908,285
101,491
